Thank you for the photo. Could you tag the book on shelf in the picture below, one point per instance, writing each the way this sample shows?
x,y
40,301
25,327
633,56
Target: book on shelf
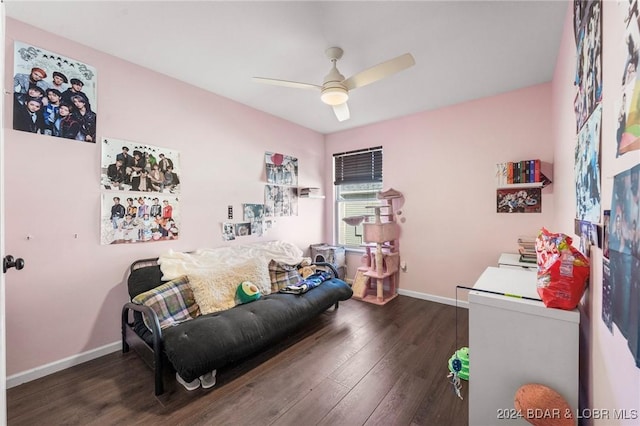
x,y
308,191
527,249
528,240
519,172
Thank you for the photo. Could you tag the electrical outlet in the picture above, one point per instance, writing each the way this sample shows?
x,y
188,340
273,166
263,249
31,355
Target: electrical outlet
x,y
230,212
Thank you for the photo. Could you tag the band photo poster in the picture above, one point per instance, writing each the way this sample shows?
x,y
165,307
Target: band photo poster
x,y
53,95
140,185
281,169
281,193
133,166
139,217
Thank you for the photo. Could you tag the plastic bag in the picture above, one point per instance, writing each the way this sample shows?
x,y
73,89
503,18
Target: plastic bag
x,y
563,272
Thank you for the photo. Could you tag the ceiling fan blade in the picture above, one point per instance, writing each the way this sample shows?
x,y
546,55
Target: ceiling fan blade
x,y
379,71
341,111
287,83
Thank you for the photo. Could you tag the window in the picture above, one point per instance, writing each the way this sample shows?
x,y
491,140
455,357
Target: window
x,y
357,180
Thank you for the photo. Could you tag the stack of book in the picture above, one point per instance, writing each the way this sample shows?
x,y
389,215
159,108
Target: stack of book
x,y
309,192
527,249
514,172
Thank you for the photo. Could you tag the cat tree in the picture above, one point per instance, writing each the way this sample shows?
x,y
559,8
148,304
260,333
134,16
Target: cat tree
x,y
376,281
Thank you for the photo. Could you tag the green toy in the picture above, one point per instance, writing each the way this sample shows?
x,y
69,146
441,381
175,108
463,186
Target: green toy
x,y
459,369
462,356
247,292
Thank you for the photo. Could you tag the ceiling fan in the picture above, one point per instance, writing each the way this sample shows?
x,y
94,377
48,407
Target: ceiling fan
x,y
334,90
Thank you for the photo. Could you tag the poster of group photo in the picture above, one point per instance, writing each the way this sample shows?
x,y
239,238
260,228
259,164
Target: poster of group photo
x,y
132,166
280,201
139,218
281,169
53,95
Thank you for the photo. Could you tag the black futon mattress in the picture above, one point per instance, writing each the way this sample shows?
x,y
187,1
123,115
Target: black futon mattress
x,y
212,341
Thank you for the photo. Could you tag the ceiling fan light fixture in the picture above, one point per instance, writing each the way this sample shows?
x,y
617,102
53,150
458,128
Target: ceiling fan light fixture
x,y
334,96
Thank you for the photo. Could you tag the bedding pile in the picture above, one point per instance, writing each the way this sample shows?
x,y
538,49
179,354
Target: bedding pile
x,y
175,264
312,281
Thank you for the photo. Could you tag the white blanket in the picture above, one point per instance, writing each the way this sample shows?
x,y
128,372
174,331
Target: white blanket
x,y
175,264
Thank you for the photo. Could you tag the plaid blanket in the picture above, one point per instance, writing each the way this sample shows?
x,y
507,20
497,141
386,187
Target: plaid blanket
x,y
312,281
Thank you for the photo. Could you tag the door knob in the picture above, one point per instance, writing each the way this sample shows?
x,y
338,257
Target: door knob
x,y
9,262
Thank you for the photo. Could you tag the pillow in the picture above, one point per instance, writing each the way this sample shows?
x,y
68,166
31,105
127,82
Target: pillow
x,y
173,302
215,289
282,275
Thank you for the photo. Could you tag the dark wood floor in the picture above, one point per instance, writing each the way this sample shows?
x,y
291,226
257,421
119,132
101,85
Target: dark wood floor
x,y
362,364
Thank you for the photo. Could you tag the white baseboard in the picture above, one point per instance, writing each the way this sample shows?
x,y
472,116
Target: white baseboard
x,y
45,370
432,298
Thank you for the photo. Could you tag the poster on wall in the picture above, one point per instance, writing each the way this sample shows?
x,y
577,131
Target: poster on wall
x,y
624,257
243,229
141,218
628,124
132,166
606,215
281,169
607,316
280,201
588,76
53,95
228,231
254,213
587,169
589,236
526,200
628,116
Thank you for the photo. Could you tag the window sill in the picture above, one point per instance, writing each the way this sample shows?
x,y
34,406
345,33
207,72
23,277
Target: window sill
x,y
350,249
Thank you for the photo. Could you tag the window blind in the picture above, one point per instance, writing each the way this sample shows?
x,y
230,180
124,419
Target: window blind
x,y
361,166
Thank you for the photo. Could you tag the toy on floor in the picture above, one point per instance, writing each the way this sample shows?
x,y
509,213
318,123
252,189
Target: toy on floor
x,y
542,406
459,369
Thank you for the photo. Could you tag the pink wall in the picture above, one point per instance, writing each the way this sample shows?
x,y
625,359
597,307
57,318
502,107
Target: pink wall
x,y
610,379
68,298
444,162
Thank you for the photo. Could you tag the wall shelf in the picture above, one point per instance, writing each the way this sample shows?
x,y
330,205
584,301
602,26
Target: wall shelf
x,y
309,192
521,185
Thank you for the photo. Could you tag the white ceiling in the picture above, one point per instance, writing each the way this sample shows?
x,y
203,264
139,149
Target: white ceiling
x,y
463,50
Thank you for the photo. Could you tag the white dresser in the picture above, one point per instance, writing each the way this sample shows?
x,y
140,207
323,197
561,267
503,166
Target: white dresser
x,y
514,341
